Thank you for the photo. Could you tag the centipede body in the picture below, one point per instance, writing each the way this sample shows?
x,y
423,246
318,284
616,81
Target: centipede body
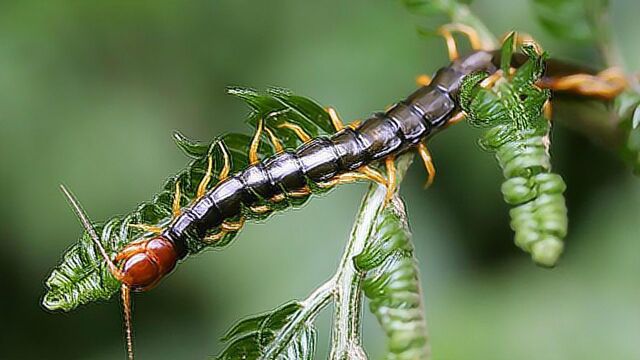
x,y
402,127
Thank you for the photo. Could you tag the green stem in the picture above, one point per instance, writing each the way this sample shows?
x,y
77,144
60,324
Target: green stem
x,y
346,333
311,306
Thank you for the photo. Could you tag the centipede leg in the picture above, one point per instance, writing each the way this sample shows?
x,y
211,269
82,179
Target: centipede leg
x,y
231,226
255,144
131,249
349,178
458,117
427,159
147,228
547,110
300,133
446,32
390,164
260,209
226,167
277,145
373,175
335,119
302,192
225,228
215,237
423,80
338,124
202,187
175,208
606,84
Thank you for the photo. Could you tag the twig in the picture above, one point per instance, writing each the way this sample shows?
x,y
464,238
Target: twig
x,y
346,332
311,306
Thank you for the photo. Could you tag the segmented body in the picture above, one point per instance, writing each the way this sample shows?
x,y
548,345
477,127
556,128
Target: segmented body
x,y
253,191
291,175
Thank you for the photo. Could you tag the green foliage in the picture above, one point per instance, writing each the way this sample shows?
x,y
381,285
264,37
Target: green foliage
x,y
570,19
256,336
518,134
82,276
432,7
434,13
392,285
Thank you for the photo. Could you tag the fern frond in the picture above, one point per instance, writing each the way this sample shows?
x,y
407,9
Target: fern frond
x,y
82,276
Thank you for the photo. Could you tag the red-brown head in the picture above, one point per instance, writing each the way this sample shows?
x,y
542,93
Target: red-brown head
x,y
145,263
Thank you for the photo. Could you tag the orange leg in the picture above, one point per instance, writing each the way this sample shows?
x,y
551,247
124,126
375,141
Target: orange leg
x,y
425,155
131,249
225,228
423,80
305,191
147,228
277,145
202,187
458,117
346,178
175,208
226,168
232,226
300,133
446,32
547,110
391,178
255,144
606,84
491,79
337,122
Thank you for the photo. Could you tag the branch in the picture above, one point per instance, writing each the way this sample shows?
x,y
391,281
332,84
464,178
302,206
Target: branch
x,y
346,333
315,302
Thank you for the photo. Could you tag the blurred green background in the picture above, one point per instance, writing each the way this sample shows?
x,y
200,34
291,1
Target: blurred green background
x,y
90,92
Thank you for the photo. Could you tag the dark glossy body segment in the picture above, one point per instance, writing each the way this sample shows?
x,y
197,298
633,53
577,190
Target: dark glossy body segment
x,y
384,134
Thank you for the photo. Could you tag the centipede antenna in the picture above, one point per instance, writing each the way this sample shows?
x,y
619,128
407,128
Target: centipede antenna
x,y
86,223
125,292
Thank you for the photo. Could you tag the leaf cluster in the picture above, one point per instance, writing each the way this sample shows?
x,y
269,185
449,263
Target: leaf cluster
x,y
82,276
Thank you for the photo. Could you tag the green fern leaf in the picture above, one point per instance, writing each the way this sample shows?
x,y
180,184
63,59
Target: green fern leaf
x,y
82,276
518,133
256,336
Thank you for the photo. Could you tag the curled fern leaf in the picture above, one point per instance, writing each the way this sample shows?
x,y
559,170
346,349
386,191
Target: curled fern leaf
x,y
82,276
392,286
518,134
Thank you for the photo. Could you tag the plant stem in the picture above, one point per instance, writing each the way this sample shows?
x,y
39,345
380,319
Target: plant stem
x,y
316,301
346,333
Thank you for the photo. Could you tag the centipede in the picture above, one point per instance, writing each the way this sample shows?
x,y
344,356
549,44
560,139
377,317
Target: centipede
x,y
299,149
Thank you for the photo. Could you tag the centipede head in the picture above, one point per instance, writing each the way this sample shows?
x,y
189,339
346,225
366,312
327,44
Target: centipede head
x,y
142,264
